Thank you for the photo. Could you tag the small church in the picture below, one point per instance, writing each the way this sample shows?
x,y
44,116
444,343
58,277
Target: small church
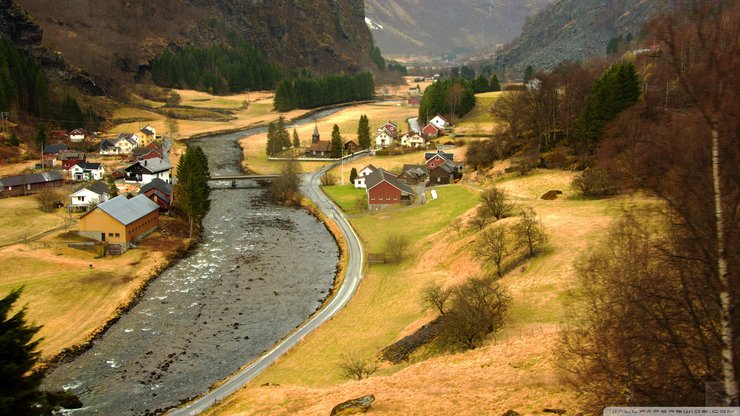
x,y
318,148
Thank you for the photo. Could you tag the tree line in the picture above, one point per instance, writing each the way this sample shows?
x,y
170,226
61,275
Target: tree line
x,y
659,323
450,97
308,92
23,84
220,69
568,109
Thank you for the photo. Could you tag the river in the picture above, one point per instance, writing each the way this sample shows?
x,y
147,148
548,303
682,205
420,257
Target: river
x,y
259,272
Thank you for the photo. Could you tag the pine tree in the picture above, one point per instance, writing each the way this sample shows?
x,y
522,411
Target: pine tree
x,y
14,139
363,132
40,136
528,73
353,175
192,191
336,142
283,138
296,140
19,391
494,84
271,139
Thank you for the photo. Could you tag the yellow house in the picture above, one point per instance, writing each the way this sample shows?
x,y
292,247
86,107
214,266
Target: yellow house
x,y
121,222
147,135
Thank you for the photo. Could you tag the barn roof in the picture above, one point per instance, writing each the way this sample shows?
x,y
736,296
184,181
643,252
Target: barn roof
x,y
126,210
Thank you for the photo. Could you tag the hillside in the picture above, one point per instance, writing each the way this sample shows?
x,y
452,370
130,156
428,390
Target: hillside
x,y
436,27
574,30
114,41
24,33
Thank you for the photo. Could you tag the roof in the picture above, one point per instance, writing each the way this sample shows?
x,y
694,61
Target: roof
x,y
55,148
444,155
72,156
125,136
148,131
370,166
447,166
89,165
78,131
414,171
18,180
320,146
440,116
157,184
97,187
414,124
161,196
432,126
381,175
153,165
126,210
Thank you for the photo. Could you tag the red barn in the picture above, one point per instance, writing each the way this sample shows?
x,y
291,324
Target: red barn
x,y
435,159
384,188
430,130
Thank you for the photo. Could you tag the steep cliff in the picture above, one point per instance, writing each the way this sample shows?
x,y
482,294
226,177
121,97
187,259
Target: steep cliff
x,y
435,27
114,40
23,32
575,30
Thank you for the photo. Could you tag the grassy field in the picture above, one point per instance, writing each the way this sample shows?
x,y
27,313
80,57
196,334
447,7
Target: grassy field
x,y
347,196
15,219
514,371
479,119
71,293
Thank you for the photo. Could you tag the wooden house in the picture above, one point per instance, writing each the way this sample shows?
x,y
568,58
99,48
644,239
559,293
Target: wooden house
x,y
384,189
359,181
430,131
88,196
121,222
160,192
143,171
84,171
28,184
147,135
413,174
434,159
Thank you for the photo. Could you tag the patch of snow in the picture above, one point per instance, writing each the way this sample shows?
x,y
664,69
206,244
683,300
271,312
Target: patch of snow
x,y
373,25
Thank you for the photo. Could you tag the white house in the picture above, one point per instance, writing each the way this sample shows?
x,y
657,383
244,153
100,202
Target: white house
x,y
88,196
143,171
359,181
124,144
439,122
412,140
77,135
384,138
84,171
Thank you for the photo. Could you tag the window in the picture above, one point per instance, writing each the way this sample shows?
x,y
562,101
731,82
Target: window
x,y
387,198
118,234
110,234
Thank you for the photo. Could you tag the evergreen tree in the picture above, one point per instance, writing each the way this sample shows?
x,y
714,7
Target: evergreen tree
x,y
377,57
271,139
528,73
71,114
494,85
19,390
192,191
363,132
112,188
480,84
283,137
296,140
336,142
307,92
353,175
435,100
616,89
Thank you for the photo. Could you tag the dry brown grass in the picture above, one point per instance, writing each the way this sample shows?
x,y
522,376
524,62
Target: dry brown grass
x,y
516,371
72,293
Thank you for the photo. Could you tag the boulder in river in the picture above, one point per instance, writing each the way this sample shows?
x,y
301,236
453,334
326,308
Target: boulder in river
x,y
354,406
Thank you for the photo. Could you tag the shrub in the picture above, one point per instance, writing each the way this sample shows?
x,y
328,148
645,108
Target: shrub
x,y
596,183
395,247
357,368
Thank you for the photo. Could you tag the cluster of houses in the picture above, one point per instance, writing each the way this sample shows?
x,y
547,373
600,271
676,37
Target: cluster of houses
x,y
387,135
384,188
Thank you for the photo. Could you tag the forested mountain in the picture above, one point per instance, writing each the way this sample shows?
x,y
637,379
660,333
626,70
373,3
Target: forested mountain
x,y
574,30
115,41
436,27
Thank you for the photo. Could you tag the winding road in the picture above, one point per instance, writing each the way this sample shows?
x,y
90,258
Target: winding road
x,y
353,274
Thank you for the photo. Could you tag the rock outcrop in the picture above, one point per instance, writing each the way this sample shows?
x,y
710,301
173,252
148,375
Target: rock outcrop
x,y
354,406
574,30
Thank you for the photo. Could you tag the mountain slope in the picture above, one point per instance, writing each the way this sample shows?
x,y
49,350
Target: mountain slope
x,y
574,30
435,27
114,40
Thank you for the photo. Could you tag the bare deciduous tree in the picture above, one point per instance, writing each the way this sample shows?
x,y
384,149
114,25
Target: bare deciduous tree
x,y
509,110
476,309
47,200
494,204
434,296
355,367
529,231
492,247
395,247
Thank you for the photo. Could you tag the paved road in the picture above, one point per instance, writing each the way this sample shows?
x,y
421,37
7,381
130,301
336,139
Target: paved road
x,y
353,274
